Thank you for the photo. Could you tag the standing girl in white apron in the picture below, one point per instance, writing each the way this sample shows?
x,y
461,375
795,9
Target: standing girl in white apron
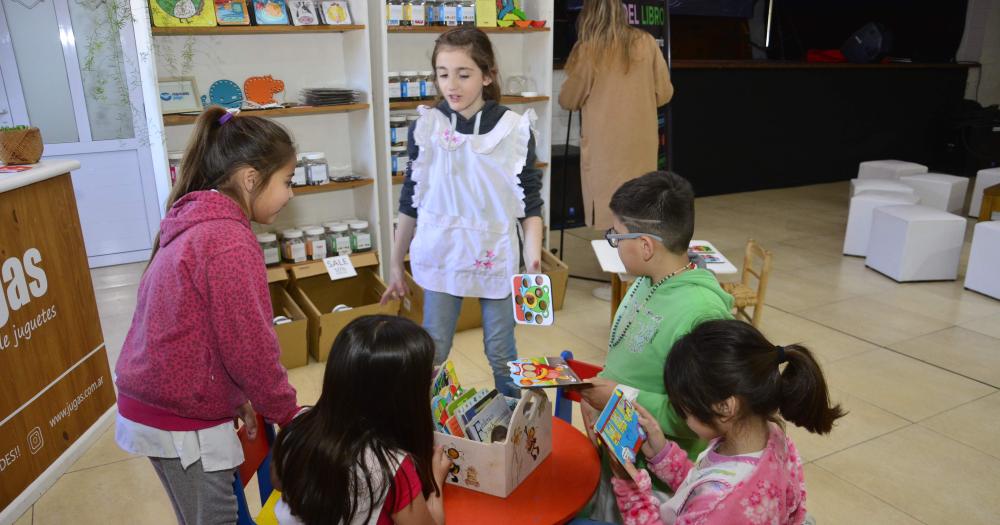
x,y
472,179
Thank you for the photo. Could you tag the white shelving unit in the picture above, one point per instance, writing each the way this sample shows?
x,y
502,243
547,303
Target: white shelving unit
x,y
307,56
526,52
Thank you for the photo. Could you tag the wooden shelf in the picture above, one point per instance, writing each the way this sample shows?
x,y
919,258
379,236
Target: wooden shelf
x,y
331,186
311,268
177,120
442,29
252,30
413,104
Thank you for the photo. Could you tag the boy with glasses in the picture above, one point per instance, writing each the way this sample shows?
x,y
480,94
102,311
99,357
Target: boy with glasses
x,y
653,225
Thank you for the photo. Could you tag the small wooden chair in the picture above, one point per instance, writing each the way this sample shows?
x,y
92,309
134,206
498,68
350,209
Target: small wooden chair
x,y
991,202
743,294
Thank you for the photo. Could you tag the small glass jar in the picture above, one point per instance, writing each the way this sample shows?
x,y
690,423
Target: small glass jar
x,y
418,13
393,12
338,239
315,243
317,171
409,85
433,12
174,159
466,13
272,250
361,239
394,87
293,247
407,19
399,160
398,134
428,89
299,176
450,12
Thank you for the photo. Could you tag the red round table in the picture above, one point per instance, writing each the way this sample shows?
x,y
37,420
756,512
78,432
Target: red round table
x,y
558,488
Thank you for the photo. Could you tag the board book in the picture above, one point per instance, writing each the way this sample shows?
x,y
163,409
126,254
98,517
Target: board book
x,y
618,428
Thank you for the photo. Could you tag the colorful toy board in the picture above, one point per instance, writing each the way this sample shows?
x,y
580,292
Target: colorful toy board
x,y
532,297
225,93
542,372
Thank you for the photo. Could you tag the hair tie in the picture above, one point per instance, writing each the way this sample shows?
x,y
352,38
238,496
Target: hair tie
x,y
228,116
782,357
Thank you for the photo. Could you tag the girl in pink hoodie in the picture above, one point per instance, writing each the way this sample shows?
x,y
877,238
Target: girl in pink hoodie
x,y
730,384
201,349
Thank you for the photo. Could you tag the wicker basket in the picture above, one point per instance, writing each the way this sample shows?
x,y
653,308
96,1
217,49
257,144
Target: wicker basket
x,y
21,146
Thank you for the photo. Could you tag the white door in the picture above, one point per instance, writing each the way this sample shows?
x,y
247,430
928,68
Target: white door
x,y
70,68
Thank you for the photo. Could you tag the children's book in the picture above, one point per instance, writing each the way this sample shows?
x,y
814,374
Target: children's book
x,y
619,429
303,12
232,13
270,12
542,372
532,295
445,376
491,414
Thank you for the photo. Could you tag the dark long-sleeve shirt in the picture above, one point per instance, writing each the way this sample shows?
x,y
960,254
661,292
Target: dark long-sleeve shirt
x,y
530,177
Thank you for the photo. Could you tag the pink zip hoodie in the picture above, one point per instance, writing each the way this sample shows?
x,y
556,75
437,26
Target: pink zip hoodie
x,y
773,494
202,341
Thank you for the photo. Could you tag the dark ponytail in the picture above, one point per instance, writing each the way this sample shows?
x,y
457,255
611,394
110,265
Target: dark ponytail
x,y
219,147
720,359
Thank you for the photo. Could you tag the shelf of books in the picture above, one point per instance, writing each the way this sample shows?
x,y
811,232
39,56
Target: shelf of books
x,y
321,82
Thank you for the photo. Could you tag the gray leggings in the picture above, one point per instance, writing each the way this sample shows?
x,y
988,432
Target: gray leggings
x,y
198,497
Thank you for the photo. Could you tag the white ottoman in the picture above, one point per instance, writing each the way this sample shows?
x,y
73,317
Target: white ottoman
x,y
938,190
984,179
886,185
983,273
859,217
915,243
888,169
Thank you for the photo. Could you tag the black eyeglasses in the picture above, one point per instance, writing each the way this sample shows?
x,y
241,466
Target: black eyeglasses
x,y
613,237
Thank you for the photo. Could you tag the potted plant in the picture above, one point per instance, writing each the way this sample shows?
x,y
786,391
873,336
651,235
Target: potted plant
x,y
20,145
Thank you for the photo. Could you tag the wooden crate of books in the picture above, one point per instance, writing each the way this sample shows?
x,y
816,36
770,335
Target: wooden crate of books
x,y
319,297
492,446
292,336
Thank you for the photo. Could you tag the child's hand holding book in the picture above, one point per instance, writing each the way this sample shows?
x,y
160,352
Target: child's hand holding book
x,y
655,440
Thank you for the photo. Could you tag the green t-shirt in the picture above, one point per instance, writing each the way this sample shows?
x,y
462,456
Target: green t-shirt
x,y
636,354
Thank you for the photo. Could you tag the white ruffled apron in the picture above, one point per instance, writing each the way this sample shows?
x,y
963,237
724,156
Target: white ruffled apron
x,y
469,199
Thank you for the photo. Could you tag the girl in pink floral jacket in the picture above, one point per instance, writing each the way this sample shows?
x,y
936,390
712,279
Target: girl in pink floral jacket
x,y
730,384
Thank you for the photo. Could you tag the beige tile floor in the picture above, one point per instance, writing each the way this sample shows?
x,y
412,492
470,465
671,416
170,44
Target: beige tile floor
x,y
917,365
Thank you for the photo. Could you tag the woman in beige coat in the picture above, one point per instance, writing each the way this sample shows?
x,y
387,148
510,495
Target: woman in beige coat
x,y
616,77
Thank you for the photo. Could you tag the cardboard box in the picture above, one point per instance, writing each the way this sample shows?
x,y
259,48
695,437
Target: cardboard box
x,y
412,306
291,336
317,295
498,468
558,273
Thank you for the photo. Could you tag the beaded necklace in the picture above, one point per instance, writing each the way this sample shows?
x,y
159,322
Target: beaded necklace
x,y
635,308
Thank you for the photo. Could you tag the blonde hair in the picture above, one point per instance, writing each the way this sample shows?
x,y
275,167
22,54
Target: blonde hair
x,y
603,27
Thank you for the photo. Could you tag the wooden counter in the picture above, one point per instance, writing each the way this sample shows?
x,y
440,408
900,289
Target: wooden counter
x,y
56,380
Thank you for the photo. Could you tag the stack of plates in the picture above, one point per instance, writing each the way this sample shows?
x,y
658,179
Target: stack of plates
x,y
329,96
